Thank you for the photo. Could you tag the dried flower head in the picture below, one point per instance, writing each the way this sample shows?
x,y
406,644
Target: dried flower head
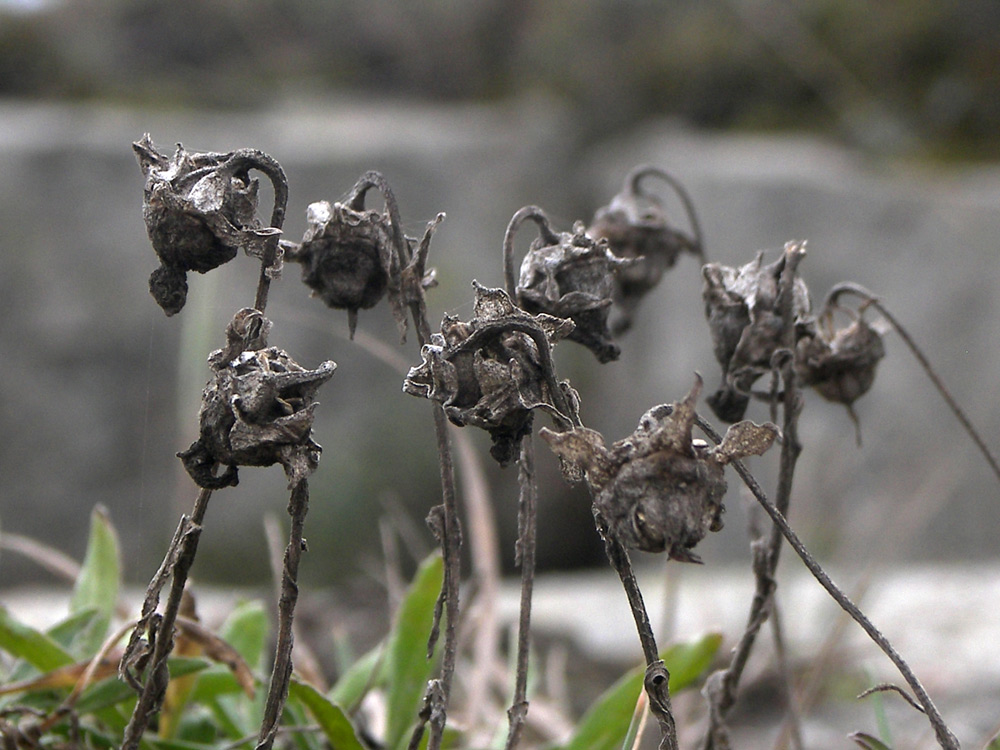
x,y
200,209
568,275
346,257
352,257
839,363
635,226
257,410
659,489
495,370
745,312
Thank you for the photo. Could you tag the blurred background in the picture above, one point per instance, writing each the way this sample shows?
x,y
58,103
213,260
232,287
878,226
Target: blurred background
x,y
871,130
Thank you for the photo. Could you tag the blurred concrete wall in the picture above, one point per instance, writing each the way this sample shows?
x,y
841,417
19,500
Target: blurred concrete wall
x,y
99,389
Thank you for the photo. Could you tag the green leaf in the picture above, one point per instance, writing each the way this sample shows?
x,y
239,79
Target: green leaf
x,y
351,686
331,718
100,576
246,630
113,691
24,642
407,668
868,742
606,722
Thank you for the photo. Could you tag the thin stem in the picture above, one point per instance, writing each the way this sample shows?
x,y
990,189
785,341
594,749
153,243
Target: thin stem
x,y
281,674
537,215
722,696
632,184
177,564
657,677
871,299
527,519
944,735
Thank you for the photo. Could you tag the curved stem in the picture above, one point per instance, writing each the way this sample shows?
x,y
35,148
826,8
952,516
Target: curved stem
x,y
244,160
944,735
537,215
632,184
871,299
356,200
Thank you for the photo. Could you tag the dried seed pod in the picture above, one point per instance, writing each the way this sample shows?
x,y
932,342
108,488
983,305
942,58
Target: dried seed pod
x,y
568,275
200,209
659,489
352,257
839,363
346,257
635,226
744,311
257,410
494,370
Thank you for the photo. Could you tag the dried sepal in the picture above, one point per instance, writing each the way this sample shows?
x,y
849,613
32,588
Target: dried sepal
x,y
493,371
200,209
568,275
660,489
744,311
636,226
257,410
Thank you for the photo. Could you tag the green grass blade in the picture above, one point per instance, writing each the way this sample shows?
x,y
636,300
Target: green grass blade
x,y
334,722
868,742
24,642
606,722
407,668
100,576
97,585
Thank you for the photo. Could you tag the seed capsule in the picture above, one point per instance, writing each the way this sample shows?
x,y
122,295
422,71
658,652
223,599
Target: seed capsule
x,y
659,489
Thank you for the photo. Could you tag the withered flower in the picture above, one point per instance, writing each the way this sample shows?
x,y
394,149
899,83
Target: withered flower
x,y
839,363
635,225
257,410
352,256
568,275
744,307
493,371
200,209
660,490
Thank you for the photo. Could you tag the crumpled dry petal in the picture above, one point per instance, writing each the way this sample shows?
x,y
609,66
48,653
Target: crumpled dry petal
x,y
742,308
659,489
200,209
488,372
257,410
573,278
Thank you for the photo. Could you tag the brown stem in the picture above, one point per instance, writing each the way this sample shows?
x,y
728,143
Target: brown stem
x,y
527,525
281,674
871,299
160,629
657,678
632,185
946,739
722,695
